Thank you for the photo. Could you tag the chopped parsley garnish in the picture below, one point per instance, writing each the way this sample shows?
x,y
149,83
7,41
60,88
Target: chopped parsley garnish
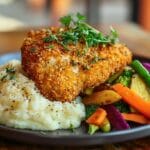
x,y
10,74
82,52
86,67
50,38
114,35
95,59
10,70
81,31
80,17
66,20
74,63
32,49
77,30
51,46
72,129
69,37
4,77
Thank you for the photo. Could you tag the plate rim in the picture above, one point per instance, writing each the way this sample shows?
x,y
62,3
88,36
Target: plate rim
x,y
38,138
73,139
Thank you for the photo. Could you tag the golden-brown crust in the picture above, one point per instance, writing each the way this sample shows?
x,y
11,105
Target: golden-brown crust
x,y
62,74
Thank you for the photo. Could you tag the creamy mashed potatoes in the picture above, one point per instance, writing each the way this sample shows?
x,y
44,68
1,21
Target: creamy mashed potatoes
x,y
22,106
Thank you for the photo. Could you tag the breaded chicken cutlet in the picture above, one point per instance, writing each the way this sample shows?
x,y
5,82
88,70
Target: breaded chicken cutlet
x,y
62,70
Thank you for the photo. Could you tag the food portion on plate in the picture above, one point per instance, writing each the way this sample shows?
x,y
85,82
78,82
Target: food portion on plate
x,y
72,74
22,105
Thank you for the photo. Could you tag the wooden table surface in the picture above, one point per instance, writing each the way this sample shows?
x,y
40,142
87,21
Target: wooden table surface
x,y
134,37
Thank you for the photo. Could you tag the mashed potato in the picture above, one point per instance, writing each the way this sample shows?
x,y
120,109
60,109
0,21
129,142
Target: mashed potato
x,y
22,106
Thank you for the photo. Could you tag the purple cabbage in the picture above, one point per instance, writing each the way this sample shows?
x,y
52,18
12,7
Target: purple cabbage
x,y
115,118
146,65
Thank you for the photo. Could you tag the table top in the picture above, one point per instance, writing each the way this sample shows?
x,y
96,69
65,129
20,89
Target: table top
x,y
130,34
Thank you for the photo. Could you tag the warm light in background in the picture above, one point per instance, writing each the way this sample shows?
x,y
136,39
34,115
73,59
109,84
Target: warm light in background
x,y
144,14
30,13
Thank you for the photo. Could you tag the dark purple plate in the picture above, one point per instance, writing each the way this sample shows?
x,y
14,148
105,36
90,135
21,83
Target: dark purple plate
x,y
66,137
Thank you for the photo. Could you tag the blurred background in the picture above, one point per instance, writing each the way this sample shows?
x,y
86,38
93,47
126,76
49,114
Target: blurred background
x,y
30,13
131,18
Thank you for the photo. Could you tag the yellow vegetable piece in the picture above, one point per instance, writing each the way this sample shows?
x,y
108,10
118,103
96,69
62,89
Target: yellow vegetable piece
x,y
102,98
105,127
88,91
139,87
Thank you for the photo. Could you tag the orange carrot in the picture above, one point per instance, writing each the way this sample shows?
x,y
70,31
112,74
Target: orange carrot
x,y
97,117
135,118
133,99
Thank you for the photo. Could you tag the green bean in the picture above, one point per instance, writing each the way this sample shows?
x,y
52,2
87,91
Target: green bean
x,y
140,69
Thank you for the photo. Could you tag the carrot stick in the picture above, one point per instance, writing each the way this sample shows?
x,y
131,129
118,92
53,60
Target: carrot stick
x,y
135,118
97,117
133,99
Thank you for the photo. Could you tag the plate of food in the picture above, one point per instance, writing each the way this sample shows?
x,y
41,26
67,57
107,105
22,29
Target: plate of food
x,y
73,85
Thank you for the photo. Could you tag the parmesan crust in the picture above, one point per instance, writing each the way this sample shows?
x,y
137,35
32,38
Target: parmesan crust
x,y
62,74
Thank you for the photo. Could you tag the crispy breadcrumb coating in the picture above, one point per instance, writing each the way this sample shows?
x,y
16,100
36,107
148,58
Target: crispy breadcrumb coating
x,y
60,73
